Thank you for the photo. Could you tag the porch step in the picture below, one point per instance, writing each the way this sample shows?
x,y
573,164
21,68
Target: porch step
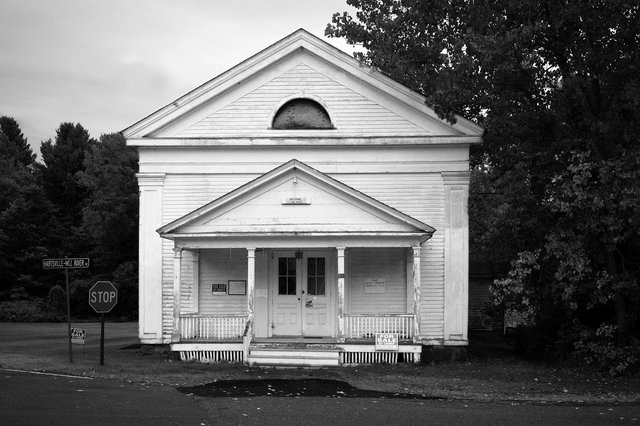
x,y
287,356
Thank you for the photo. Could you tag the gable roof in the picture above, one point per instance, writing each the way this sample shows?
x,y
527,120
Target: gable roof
x,y
290,51
217,217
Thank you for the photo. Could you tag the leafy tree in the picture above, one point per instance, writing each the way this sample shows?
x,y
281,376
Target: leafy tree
x,y
556,85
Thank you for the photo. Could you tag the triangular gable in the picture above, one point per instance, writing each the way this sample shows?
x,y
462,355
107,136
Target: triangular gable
x,y
295,198
194,115
351,112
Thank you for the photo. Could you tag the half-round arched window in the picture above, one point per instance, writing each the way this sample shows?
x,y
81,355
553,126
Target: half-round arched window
x,y
302,113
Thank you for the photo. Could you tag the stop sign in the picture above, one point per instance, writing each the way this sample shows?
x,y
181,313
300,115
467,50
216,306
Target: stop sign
x,y
103,296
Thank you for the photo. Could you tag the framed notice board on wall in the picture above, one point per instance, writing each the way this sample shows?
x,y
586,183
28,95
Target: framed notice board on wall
x,y
237,287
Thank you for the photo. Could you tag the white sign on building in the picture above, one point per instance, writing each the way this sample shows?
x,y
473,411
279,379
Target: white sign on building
x,y
374,285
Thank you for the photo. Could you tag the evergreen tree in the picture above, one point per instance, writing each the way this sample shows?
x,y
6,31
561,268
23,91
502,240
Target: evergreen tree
x,y
58,176
23,213
16,142
110,213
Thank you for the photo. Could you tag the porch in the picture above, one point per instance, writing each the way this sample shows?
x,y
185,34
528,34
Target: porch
x,y
294,253
215,338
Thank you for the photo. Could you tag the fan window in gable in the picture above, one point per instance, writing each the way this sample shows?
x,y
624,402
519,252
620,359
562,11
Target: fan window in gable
x,y
302,114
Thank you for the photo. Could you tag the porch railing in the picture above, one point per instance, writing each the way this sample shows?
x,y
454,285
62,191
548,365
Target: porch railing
x,y
212,327
365,326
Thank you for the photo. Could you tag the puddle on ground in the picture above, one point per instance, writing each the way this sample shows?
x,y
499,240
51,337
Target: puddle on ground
x,y
291,388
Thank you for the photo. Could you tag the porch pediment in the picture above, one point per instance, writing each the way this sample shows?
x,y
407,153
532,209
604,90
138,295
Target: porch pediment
x,y
295,199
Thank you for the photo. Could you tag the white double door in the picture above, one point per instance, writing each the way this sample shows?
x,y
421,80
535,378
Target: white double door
x,y
301,292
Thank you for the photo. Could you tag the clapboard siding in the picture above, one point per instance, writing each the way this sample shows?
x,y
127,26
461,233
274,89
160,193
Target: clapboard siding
x,y
379,263
420,196
187,284
220,266
349,110
265,212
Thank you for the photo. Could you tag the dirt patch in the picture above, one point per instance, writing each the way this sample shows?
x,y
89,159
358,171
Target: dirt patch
x,y
495,375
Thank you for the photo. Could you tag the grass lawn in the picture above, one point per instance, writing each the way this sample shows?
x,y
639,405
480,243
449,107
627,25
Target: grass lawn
x,y
489,374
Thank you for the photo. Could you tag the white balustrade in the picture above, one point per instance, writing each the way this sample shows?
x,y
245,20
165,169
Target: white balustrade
x,y
212,327
365,326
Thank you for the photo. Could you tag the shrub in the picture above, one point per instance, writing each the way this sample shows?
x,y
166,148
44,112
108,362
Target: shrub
x,y
600,350
34,310
56,300
125,278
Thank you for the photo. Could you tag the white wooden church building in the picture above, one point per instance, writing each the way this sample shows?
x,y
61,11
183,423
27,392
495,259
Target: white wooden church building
x,y
297,205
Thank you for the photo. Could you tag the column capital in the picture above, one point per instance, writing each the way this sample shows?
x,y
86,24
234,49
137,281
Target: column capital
x,y
456,178
151,179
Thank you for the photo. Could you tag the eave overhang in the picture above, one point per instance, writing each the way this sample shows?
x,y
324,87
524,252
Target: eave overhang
x,y
302,139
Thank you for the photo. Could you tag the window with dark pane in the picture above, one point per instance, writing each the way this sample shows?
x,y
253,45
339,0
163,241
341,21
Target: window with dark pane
x,y
316,276
286,275
301,114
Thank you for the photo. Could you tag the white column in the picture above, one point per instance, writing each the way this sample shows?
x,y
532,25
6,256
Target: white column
x,y
177,274
456,257
340,293
251,282
150,258
195,307
416,294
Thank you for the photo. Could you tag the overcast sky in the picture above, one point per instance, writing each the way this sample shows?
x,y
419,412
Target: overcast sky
x,y
108,63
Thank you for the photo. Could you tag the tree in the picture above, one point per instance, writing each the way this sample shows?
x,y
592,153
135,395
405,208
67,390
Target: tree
x,y
58,176
23,211
16,142
110,212
556,85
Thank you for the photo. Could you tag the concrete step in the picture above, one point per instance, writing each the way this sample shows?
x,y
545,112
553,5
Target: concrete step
x,y
293,357
293,362
268,353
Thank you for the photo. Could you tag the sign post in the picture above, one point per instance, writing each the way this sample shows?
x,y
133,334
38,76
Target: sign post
x,y
103,296
66,264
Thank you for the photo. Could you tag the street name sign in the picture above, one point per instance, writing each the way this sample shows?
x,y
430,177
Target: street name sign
x,y
103,296
71,262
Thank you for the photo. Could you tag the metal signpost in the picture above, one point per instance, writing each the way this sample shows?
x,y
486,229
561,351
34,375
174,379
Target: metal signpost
x,y
66,264
103,296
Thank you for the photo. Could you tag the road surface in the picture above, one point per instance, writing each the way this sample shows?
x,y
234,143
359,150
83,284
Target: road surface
x,y
39,399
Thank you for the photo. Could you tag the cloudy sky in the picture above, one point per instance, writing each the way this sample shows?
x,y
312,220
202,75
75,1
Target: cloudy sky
x,y
108,63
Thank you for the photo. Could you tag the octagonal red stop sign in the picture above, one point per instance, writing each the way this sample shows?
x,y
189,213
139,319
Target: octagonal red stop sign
x,y
103,296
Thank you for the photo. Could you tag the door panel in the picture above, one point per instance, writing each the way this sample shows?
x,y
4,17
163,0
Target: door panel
x,y
301,291
287,308
317,305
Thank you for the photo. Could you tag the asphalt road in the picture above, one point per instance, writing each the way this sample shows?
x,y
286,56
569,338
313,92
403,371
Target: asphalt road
x,y
38,399
43,399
